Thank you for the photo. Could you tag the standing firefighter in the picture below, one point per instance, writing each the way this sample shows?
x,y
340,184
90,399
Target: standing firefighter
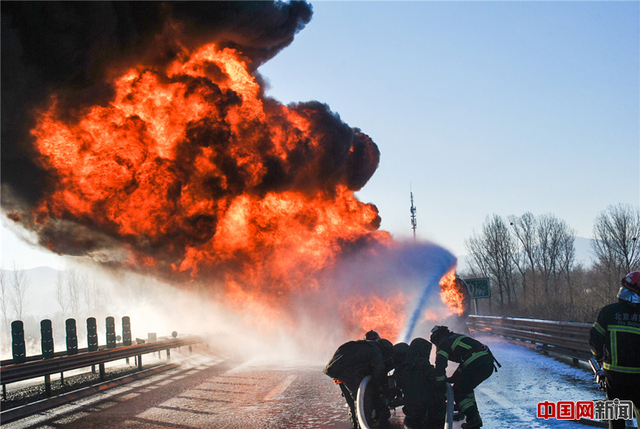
x,y
355,360
615,340
424,406
476,365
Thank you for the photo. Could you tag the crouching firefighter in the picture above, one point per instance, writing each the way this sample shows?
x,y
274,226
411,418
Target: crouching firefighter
x,y
355,360
615,340
476,365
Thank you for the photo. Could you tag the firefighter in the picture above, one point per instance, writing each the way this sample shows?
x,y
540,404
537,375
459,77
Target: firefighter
x,y
355,360
424,406
372,336
400,352
615,341
476,365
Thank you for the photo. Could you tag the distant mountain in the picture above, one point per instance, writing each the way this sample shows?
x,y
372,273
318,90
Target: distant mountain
x,y
584,255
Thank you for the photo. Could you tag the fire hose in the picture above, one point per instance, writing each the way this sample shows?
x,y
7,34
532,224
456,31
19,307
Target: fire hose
x,y
362,414
449,422
598,373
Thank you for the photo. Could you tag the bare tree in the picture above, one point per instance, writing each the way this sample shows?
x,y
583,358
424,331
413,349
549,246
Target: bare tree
x,y
552,232
524,228
616,234
567,260
92,295
493,254
4,299
74,288
19,285
62,292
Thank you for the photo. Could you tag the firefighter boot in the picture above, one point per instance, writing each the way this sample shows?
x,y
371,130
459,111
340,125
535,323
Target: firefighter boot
x,y
473,421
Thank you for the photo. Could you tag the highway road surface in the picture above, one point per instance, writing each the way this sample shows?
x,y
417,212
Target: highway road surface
x,y
210,392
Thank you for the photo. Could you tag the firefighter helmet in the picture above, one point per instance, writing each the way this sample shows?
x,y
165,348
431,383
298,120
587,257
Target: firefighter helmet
x,y
632,281
372,336
437,333
630,290
400,352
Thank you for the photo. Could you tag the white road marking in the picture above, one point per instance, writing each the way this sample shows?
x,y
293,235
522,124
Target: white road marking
x,y
280,388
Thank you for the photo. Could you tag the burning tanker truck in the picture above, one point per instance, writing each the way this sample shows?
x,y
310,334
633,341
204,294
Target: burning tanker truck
x,y
138,135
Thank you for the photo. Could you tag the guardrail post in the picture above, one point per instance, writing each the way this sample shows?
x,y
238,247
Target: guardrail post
x,y
47,385
72,337
92,334
17,342
101,366
168,354
72,341
46,340
126,331
111,333
92,338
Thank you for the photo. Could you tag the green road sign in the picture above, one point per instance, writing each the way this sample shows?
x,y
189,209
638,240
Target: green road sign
x,y
479,288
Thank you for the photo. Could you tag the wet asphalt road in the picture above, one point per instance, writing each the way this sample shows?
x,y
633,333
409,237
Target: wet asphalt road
x,y
208,392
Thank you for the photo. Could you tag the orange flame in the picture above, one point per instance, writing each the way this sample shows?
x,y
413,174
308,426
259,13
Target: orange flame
x,y
198,174
383,315
452,294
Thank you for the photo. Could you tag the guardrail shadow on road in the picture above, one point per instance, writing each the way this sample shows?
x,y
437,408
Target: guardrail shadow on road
x,y
86,401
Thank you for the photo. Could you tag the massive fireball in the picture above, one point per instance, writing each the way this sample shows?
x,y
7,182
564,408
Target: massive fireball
x,y
192,165
194,174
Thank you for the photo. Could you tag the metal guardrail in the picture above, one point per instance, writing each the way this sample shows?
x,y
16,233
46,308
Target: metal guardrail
x,y
565,338
45,367
34,358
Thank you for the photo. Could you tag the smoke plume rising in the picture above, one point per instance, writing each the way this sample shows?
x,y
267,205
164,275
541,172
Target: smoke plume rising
x,y
139,135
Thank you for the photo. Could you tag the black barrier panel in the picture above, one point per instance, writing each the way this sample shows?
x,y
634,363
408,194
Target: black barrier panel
x,y
46,337
17,342
111,333
72,337
126,331
92,334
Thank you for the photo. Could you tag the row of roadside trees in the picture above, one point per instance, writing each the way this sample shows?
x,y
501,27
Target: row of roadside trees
x,y
13,291
77,295
531,262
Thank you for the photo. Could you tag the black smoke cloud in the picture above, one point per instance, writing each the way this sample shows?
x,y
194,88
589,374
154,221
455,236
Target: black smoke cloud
x,y
75,50
72,48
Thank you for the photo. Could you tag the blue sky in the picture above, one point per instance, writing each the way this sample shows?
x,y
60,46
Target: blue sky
x,y
485,107
480,107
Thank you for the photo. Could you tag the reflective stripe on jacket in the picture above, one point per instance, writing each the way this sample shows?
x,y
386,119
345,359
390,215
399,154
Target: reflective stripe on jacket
x,y
615,339
457,348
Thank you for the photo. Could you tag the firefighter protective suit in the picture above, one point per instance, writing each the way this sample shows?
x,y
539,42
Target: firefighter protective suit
x,y
355,360
424,405
615,343
476,365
